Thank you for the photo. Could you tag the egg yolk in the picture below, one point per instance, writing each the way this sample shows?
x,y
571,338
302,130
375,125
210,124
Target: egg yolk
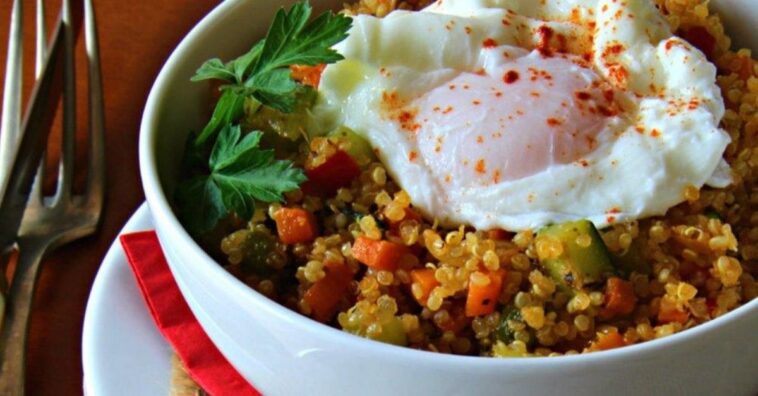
x,y
510,122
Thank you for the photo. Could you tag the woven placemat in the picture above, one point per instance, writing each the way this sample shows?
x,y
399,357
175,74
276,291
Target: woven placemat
x,y
181,383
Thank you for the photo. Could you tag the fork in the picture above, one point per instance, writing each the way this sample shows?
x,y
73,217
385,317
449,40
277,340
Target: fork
x,y
50,222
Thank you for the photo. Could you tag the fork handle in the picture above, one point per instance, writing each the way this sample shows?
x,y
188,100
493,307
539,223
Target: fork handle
x,y
18,311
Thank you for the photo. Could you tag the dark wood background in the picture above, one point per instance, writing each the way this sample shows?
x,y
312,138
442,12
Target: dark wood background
x,y
136,37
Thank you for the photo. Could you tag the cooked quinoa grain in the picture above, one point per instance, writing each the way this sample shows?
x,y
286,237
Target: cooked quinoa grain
x,y
379,269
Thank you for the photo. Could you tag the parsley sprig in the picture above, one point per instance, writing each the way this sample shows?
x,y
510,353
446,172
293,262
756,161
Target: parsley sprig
x,y
226,170
240,173
263,72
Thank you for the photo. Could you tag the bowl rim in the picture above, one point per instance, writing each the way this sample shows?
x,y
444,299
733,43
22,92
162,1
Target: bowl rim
x,y
163,213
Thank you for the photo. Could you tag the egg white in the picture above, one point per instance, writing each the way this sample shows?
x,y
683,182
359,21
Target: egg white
x,y
666,139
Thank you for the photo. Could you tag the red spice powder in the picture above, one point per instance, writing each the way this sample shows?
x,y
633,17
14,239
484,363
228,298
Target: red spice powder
x,y
489,43
496,176
480,167
543,46
510,77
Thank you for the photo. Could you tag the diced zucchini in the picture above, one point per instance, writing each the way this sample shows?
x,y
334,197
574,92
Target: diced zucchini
x,y
584,258
392,331
252,249
356,146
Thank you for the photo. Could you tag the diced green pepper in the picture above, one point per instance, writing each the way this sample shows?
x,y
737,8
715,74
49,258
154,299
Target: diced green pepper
x,y
357,147
584,258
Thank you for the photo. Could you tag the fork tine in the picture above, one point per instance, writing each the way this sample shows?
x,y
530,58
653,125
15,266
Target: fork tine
x,y
11,113
96,171
41,48
35,196
68,141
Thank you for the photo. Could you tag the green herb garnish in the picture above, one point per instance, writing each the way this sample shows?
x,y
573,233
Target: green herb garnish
x,y
225,169
263,73
240,173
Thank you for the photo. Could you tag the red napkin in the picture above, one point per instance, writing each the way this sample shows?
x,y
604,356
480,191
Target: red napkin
x,y
204,362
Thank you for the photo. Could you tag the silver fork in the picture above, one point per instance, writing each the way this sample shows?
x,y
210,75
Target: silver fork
x,y
50,222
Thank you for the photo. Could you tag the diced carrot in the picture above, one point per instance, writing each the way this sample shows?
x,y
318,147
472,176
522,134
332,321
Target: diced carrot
x,y
498,234
457,319
425,278
324,295
609,340
671,314
308,75
410,214
619,298
380,255
339,170
295,225
481,300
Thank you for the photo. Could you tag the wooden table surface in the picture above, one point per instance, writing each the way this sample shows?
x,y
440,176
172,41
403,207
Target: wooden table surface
x,y
136,37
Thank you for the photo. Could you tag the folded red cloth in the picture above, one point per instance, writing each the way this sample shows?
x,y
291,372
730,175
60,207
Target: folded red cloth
x,y
204,362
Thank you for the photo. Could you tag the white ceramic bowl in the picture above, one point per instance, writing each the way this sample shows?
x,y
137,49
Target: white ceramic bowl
x,y
284,353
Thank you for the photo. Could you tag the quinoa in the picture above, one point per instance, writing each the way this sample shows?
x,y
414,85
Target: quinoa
x,y
696,263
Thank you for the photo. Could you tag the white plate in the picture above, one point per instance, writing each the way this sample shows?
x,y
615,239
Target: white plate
x,y
122,351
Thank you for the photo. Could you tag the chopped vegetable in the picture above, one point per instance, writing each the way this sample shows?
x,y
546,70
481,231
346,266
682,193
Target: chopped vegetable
x,y
339,170
581,256
324,295
295,225
307,75
240,173
669,314
410,214
607,340
380,255
357,147
457,320
700,38
619,298
264,71
392,331
482,298
424,277
253,250
281,131
498,234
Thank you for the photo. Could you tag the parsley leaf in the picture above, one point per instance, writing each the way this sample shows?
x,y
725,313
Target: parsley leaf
x,y
229,108
291,42
227,172
213,69
263,72
240,173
